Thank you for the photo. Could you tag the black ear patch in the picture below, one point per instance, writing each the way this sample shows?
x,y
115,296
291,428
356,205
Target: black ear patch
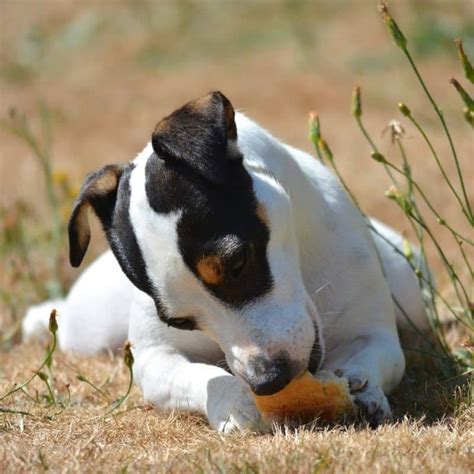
x,y
98,192
197,136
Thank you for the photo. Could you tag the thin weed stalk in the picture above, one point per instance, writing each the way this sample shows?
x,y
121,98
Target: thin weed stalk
x,y
19,126
407,113
53,328
401,42
412,212
323,149
84,379
129,361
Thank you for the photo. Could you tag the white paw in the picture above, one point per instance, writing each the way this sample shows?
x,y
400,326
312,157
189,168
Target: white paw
x,y
372,403
231,407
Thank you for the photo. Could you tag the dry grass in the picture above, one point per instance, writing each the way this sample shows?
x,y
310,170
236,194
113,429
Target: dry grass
x,y
80,439
108,90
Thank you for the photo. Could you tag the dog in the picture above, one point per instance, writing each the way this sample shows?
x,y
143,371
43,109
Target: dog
x,y
237,263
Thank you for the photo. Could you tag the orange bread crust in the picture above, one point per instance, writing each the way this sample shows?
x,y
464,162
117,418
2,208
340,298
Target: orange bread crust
x,y
325,396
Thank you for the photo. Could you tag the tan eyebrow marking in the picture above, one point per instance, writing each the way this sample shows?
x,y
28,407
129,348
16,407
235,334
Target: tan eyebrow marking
x,y
211,269
262,214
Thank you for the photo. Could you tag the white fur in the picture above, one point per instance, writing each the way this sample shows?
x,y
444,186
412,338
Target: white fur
x,y
326,270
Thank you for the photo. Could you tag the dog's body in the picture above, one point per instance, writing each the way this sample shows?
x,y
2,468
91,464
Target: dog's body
x,y
268,258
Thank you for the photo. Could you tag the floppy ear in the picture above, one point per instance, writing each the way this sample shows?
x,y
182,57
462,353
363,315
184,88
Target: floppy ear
x,y
198,135
98,192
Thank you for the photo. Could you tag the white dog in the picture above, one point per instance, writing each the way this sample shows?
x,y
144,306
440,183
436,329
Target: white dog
x,y
230,248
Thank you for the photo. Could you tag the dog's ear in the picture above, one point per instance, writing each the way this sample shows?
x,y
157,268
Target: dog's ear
x,y
98,192
202,134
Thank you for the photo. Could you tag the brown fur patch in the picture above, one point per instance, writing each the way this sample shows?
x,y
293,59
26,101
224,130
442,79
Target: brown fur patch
x,y
230,119
262,214
106,183
96,187
210,269
82,225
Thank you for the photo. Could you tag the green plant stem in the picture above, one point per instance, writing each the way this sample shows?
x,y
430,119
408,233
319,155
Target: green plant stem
x,y
64,406
318,153
35,373
14,412
120,401
453,276
419,232
419,228
440,166
84,379
407,176
449,268
435,319
428,203
374,147
422,277
369,224
413,349
446,130
51,394
430,284
20,127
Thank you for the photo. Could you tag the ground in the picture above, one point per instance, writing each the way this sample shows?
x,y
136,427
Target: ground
x,y
108,72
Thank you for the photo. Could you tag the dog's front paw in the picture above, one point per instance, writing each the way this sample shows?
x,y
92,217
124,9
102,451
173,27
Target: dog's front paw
x,y
372,403
231,407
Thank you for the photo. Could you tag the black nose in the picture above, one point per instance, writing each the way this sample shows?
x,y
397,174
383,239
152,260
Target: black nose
x,y
269,376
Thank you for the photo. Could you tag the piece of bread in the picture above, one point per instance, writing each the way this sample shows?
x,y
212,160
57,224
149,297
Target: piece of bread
x,y
324,396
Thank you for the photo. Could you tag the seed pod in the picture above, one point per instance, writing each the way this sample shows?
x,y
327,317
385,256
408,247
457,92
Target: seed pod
x,y
469,116
53,324
404,109
378,157
127,355
466,98
44,377
466,64
356,102
397,36
314,128
392,192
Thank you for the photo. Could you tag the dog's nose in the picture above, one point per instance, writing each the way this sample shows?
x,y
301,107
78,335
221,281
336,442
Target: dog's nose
x,y
269,376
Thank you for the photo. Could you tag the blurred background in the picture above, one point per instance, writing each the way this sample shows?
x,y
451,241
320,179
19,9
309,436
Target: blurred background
x,y
107,71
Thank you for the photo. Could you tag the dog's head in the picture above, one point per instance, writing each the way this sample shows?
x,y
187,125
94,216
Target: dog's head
x,y
211,241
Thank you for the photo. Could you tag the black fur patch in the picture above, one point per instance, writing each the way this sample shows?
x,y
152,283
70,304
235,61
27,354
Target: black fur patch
x,y
123,241
112,208
216,221
197,135
192,171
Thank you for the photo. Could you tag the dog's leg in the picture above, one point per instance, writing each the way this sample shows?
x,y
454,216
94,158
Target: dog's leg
x,y
374,364
177,370
170,381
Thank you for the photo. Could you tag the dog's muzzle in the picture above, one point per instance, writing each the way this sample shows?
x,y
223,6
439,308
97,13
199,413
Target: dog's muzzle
x,y
269,375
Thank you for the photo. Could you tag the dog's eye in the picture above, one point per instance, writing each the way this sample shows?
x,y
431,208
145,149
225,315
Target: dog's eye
x,y
188,324
238,262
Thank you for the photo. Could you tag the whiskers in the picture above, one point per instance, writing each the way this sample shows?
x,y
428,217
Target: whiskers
x,y
222,363
319,289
